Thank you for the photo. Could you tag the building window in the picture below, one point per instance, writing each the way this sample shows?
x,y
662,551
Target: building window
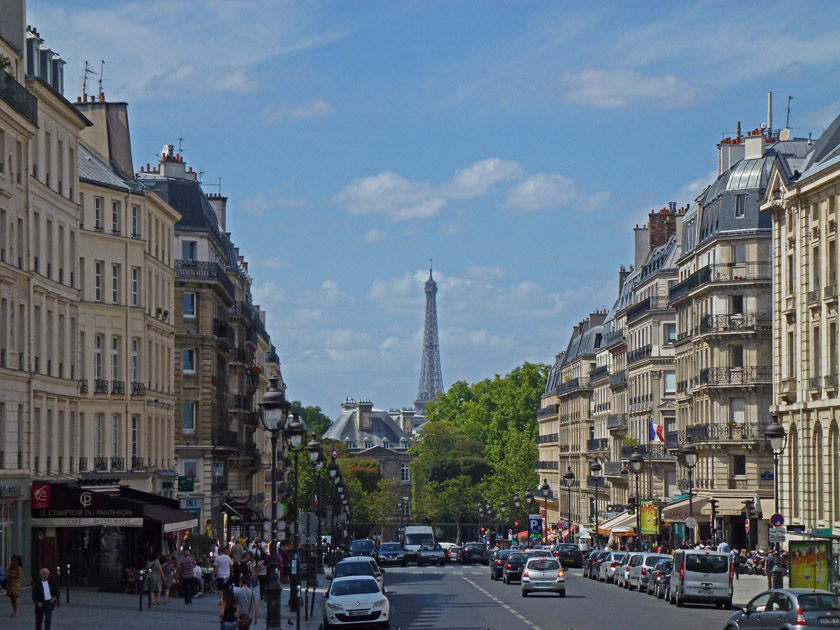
x,y
739,465
115,435
98,426
405,473
737,305
115,284
97,281
97,357
191,469
670,333
135,286
739,253
97,213
740,206
135,221
189,305
736,356
115,358
135,361
189,250
188,417
189,360
115,217
670,382
135,422
736,410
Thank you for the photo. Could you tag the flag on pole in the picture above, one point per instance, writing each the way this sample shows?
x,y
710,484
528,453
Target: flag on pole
x,y
657,432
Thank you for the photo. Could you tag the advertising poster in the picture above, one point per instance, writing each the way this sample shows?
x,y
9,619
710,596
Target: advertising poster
x,y
650,519
809,564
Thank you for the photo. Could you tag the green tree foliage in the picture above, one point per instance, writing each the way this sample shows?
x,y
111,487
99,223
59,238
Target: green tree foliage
x,y
314,417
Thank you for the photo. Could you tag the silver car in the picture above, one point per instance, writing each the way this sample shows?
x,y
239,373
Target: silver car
x,y
606,573
637,576
543,575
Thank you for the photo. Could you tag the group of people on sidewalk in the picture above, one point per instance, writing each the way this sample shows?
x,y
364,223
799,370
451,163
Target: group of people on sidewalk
x,y
44,592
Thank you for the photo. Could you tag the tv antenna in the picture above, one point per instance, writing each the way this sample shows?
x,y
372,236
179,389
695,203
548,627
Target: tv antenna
x,y
218,185
86,73
180,146
101,74
787,120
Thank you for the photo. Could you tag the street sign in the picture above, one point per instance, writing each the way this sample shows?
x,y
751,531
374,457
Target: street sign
x,y
747,525
186,484
778,534
534,525
691,522
777,520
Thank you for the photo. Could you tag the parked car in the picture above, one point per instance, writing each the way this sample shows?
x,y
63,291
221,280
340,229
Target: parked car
x,y
355,600
543,575
497,564
606,573
513,567
623,568
431,554
788,608
595,564
588,561
361,565
637,575
363,547
391,553
569,555
474,552
702,576
660,575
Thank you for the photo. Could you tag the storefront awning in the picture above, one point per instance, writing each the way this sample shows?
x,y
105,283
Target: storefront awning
x,y
71,505
623,520
678,511
172,520
768,508
727,506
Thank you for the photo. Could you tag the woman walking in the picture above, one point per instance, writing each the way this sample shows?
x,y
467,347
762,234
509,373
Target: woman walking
x,y
168,575
229,611
13,583
155,573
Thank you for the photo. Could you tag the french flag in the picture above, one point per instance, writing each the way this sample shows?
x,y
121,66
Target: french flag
x,y
657,433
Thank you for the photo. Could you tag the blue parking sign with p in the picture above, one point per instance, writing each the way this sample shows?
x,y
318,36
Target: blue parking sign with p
x,y
534,525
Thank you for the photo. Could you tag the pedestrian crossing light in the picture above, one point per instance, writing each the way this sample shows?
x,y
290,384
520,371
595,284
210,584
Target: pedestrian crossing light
x,y
631,505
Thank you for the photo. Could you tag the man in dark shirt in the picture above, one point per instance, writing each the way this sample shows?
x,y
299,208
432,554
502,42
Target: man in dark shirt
x,y
186,573
44,594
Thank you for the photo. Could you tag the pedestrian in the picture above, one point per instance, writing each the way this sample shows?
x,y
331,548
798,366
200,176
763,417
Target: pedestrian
x,y
237,552
208,528
228,612
154,580
221,571
262,572
723,546
198,577
44,594
185,570
169,570
246,602
286,563
13,583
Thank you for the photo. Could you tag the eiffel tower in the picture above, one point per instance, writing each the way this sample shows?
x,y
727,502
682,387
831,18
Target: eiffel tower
x,y
431,380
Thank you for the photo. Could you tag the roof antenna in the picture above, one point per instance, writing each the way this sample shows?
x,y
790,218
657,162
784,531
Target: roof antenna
x,y
87,72
430,268
787,120
180,146
101,74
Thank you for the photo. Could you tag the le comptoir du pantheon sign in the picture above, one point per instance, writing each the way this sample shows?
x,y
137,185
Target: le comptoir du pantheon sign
x,y
68,505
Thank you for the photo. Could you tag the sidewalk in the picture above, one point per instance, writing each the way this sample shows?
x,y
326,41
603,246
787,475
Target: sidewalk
x,y
748,587
93,610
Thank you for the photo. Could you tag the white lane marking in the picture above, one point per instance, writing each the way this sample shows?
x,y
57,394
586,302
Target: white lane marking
x,y
508,607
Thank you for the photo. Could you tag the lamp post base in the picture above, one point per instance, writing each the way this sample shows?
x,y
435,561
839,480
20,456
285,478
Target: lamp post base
x,y
272,597
778,573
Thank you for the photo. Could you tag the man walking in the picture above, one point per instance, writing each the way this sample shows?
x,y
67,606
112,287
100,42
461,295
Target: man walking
x,y
186,572
221,571
44,594
246,602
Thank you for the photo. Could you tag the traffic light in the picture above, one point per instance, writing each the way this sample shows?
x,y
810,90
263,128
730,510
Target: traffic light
x,y
482,530
516,524
631,505
714,503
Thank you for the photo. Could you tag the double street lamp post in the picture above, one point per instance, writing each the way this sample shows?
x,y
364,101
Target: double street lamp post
x,y
545,491
529,496
637,462
569,481
777,436
688,454
595,472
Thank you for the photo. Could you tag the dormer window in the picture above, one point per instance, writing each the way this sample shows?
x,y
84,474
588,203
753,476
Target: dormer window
x,y
386,445
368,444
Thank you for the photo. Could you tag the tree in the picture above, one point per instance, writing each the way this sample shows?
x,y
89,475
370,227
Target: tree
x,y
314,417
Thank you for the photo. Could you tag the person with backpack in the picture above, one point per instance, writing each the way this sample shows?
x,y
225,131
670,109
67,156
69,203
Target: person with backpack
x,y
246,602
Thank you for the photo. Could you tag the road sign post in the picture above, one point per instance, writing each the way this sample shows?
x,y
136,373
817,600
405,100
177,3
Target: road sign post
x,y
691,522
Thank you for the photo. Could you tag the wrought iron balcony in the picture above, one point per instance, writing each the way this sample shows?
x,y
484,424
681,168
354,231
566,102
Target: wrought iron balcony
x,y
83,386
271,357
223,330
618,378
613,338
238,355
100,386
202,269
674,438
830,381
238,401
717,432
598,444
83,464
18,97
546,411
100,464
548,438
639,354
814,296
599,372
548,465
744,322
241,309
117,463
650,451
722,272
830,292
137,463
138,389
247,449
753,375
648,304
616,421
572,385
596,482
814,381
613,469
118,387
225,438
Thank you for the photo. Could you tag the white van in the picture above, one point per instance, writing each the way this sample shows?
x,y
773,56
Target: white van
x,y
413,536
701,575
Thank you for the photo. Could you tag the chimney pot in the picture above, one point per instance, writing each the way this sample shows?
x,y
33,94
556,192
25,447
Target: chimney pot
x,y
102,97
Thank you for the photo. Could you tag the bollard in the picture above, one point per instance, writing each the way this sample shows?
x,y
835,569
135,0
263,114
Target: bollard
x,y
67,579
140,589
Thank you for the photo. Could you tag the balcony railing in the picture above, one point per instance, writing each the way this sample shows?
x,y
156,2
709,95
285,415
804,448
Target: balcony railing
x,y
138,389
546,411
717,432
639,354
830,381
226,438
613,338
18,97
598,444
722,272
83,386
616,421
117,463
137,463
547,438
595,482
745,322
723,376
238,355
100,464
814,382
238,401
247,449
572,384
618,378
271,357
100,386
814,296
599,372
650,451
548,465
118,387
83,464
613,469
648,304
224,330
204,269
830,292
241,309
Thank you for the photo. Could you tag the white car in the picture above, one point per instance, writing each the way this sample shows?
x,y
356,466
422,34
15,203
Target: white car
x,y
356,601
543,575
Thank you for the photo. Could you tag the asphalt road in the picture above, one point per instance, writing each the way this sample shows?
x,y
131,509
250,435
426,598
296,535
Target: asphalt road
x,y
464,598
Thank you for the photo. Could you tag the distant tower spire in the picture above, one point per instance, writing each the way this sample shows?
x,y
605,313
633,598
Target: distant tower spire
x,y
431,379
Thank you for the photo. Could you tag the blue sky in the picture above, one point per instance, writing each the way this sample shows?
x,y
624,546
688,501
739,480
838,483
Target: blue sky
x,y
515,143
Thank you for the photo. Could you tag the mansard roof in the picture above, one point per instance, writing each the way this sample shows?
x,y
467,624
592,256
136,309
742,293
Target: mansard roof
x,y
95,171
382,430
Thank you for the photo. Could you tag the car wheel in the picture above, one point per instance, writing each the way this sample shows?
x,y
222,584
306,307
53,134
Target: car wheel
x,y
562,593
524,593
678,600
419,563
405,563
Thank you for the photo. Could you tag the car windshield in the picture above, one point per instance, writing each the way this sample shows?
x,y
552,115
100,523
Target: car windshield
x,y
361,545
504,553
706,564
618,556
567,547
652,560
664,565
354,587
475,546
517,557
353,568
390,547
543,564
418,539
818,601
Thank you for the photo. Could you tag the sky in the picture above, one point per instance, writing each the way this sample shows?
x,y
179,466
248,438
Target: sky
x,y
514,143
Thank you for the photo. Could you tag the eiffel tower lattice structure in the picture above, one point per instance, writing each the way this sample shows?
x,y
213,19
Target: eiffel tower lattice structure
x,y
431,379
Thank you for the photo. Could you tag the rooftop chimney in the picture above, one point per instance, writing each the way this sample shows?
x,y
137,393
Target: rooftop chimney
x,y
364,408
641,242
219,204
109,137
663,225
754,146
597,318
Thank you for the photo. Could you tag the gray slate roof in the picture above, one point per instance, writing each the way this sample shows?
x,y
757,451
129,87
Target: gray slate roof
x,y
383,429
187,197
584,344
554,374
95,171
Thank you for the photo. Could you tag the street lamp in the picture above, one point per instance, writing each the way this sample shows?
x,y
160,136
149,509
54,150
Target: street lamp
x,y
777,436
529,496
595,471
296,433
688,453
637,462
275,411
545,491
316,456
502,508
569,481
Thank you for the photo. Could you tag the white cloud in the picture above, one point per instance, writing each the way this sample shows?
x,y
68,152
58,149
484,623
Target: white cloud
x,y
451,229
475,180
619,87
275,263
479,272
314,109
689,192
187,80
330,294
823,117
392,195
545,190
261,203
375,236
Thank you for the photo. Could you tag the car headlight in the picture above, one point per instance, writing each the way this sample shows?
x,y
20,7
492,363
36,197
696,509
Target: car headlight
x,y
379,603
335,606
